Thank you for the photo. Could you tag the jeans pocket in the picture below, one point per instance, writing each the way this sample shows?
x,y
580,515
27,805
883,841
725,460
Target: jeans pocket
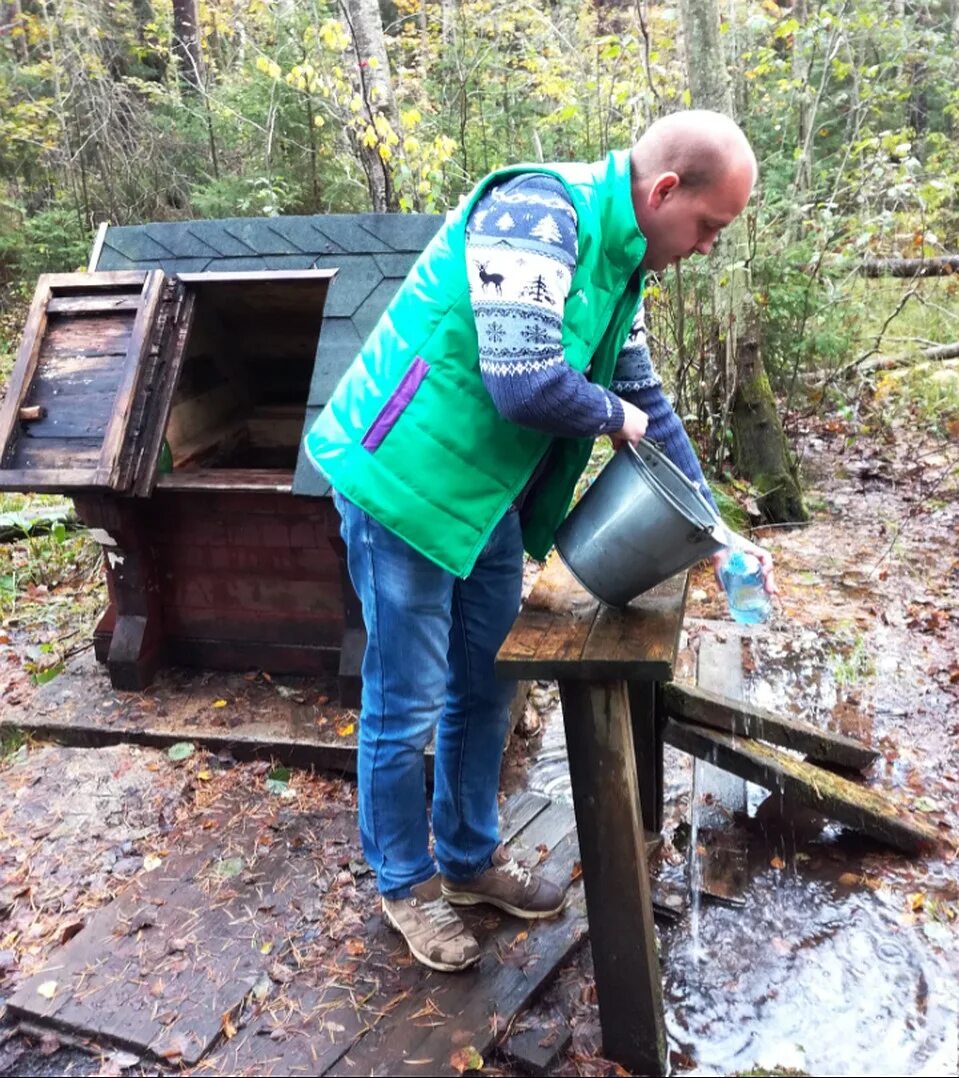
x,y
396,404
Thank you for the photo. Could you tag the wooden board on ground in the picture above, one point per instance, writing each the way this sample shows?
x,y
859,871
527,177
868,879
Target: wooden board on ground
x,y
257,948
826,793
163,968
445,1015
295,720
718,865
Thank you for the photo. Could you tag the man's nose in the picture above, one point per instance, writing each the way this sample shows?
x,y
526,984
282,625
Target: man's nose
x,y
705,246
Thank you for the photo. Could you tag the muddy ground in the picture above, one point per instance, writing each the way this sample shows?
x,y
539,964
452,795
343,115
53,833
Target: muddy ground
x,y
842,959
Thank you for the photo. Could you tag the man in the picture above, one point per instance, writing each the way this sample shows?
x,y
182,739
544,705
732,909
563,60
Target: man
x,y
456,438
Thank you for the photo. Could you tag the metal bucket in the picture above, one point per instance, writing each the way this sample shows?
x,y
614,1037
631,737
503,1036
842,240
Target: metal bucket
x,y
639,523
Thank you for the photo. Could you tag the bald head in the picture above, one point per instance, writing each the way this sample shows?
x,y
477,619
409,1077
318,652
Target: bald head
x,y
698,145
692,174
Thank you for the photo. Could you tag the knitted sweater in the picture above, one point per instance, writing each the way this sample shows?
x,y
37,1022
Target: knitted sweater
x,y
522,237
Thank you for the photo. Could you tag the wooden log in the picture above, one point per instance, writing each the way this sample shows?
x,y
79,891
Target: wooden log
x,y
609,821
826,793
911,267
706,708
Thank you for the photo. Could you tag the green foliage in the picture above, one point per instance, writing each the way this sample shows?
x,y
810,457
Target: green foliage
x,y
49,241
853,109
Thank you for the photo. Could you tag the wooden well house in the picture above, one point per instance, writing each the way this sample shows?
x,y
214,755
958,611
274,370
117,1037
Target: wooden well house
x,y
167,392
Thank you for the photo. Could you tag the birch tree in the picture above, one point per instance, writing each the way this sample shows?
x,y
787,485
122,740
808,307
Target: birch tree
x,y
378,102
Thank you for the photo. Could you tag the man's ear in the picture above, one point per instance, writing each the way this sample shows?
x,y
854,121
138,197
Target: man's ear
x,y
662,188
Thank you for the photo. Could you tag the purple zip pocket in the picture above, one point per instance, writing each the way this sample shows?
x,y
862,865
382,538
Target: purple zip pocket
x,y
396,404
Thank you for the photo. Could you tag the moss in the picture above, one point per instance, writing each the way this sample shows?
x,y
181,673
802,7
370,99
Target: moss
x,y
734,516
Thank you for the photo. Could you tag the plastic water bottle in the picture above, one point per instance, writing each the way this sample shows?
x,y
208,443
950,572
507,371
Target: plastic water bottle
x,y
742,577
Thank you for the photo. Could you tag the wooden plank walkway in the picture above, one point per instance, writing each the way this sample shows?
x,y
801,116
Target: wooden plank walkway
x,y
258,948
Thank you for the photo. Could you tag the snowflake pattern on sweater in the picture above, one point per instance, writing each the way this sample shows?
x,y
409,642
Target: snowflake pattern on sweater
x,y
521,251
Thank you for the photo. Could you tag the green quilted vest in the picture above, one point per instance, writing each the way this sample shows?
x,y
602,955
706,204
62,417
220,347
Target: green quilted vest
x,y
411,434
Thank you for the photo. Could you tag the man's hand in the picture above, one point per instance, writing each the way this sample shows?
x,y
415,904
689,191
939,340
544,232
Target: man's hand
x,y
765,560
634,426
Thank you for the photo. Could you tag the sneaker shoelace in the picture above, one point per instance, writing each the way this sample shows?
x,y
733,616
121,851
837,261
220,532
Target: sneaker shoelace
x,y
439,912
516,870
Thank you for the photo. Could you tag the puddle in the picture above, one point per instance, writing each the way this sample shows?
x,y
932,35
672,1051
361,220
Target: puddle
x,y
809,976
812,973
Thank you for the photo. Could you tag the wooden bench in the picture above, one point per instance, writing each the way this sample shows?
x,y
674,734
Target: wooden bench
x,y
610,665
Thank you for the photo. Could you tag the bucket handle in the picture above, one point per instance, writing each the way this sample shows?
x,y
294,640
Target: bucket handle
x,y
705,528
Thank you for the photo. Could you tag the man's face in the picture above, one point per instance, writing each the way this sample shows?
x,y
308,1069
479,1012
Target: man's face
x,y
678,222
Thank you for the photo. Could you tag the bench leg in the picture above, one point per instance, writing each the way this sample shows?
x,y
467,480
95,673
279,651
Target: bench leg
x,y
609,821
646,717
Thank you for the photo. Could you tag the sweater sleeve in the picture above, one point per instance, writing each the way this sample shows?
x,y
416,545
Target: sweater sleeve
x,y
521,252
636,381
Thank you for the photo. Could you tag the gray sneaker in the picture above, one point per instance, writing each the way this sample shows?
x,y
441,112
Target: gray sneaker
x,y
509,886
432,930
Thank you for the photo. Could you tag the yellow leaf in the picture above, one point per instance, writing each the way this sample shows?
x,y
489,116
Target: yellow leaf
x,y
48,989
204,776
152,861
219,703
266,947
226,1024
916,901
345,729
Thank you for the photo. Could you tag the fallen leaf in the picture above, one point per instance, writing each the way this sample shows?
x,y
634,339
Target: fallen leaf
x,y
577,871
916,901
182,750
849,879
152,861
345,729
227,1026
778,862
466,1059
48,989
69,930
219,703
204,776
355,947
266,947
228,867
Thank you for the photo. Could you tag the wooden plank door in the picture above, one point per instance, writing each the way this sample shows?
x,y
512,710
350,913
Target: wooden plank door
x,y
74,416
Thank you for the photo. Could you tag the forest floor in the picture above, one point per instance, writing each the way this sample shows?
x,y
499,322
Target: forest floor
x,y
841,960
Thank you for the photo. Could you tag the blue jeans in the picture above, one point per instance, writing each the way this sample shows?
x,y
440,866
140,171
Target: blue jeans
x,y
428,666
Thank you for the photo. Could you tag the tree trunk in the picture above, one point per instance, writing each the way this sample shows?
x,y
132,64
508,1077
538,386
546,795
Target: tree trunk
x,y
801,64
376,89
760,450
186,45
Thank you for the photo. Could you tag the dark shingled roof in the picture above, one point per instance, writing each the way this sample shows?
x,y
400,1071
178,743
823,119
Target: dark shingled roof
x,y
371,251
